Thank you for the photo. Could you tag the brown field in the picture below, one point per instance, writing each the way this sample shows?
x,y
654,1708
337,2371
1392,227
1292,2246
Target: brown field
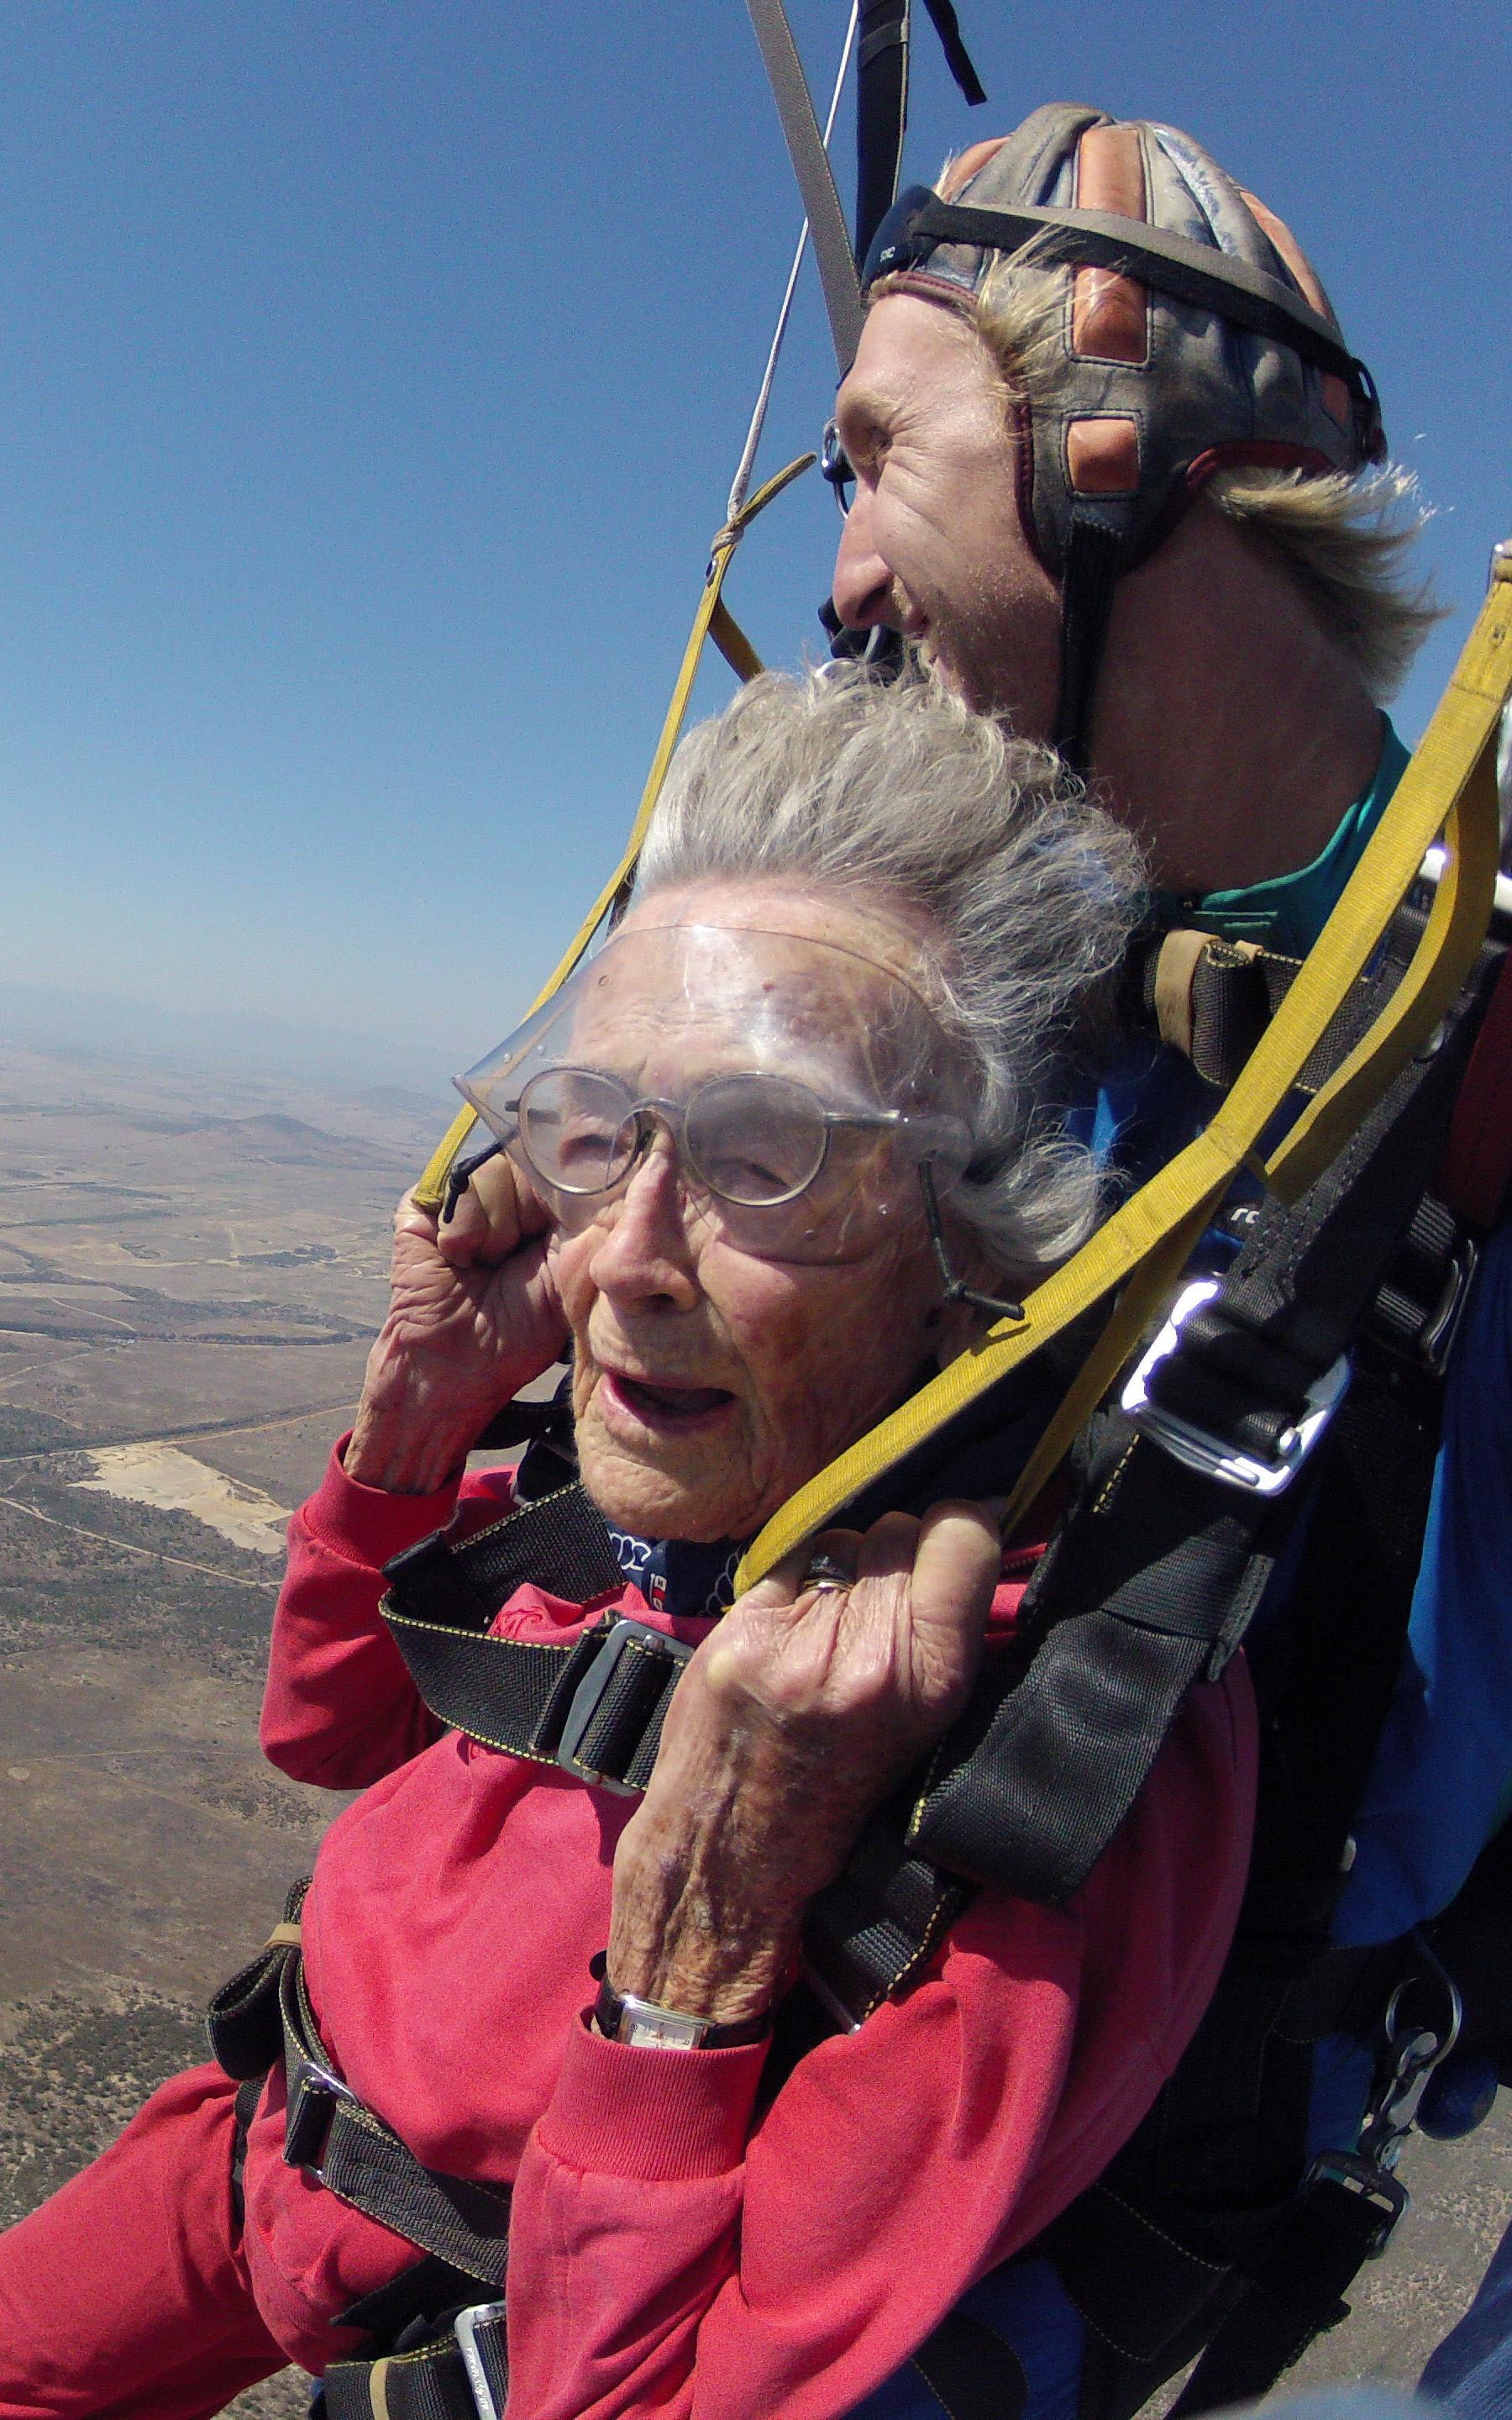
x,y
209,1280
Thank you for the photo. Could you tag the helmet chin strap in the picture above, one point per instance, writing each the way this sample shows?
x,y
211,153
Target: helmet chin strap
x,y
1095,552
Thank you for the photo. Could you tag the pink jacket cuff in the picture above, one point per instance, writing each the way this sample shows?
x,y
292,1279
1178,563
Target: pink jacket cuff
x,y
367,1524
657,2115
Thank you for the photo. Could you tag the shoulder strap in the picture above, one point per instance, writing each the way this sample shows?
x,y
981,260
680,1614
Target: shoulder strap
x,y
1183,1500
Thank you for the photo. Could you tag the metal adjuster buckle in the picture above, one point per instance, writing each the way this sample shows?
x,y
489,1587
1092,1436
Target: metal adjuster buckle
x,y
1377,2199
310,2113
623,1636
1215,1457
1437,1341
464,2328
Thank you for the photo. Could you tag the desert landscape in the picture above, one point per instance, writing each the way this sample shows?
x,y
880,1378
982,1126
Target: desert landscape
x,y
187,1293
190,1274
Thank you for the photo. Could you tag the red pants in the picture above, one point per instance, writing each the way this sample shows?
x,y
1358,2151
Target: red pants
x,y
125,2297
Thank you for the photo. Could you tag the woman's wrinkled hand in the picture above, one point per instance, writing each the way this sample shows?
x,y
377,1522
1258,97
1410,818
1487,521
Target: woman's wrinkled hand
x,y
474,1316
799,1713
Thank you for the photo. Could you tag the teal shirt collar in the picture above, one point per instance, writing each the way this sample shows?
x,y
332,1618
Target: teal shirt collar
x,y
1287,913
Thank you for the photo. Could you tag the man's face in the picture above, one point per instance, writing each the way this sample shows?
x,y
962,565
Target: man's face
x,y
934,544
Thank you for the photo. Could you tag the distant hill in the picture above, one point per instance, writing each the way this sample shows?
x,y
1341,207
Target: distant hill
x,y
286,1142
401,1078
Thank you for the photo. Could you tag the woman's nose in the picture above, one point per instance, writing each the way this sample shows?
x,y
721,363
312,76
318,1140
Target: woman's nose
x,y
642,1248
863,577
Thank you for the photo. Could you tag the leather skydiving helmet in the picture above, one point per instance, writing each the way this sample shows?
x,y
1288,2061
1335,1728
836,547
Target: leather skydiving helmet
x,y
1196,337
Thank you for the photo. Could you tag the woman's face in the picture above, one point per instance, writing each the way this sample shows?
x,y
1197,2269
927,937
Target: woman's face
x,y
710,1381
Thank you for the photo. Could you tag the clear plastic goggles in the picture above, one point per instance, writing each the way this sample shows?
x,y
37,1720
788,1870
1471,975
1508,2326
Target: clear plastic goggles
x,y
797,1084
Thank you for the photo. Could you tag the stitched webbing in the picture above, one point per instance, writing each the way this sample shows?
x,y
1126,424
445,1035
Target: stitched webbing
x,y
1155,1578
514,1694
363,2161
428,2383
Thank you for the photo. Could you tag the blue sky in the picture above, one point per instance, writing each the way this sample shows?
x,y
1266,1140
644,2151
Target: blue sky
x,y
373,375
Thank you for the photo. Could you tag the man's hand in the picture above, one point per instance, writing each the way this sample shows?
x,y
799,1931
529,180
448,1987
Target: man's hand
x,y
474,1316
798,1716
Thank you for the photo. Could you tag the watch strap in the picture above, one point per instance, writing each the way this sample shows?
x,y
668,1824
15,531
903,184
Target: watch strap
x,y
645,2024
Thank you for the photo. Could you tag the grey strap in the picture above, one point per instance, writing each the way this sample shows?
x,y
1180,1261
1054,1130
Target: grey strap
x,y
816,182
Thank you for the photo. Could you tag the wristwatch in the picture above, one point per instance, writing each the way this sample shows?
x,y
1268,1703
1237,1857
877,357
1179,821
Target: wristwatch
x,y
619,2016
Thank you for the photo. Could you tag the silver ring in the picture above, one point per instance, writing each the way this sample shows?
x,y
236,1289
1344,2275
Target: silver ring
x,y
824,1572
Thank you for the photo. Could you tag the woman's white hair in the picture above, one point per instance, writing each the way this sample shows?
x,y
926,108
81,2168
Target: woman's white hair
x,y
896,792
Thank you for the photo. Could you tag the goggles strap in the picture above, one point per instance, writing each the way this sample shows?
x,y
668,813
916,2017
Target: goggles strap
x,y
956,1288
460,1176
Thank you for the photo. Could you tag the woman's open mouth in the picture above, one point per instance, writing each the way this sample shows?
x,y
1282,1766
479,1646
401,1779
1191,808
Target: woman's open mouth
x,y
663,1406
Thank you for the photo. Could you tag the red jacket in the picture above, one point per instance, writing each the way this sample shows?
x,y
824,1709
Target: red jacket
x,y
672,2252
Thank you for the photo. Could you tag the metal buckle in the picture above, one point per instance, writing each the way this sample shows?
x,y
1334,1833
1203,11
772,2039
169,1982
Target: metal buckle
x,y
464,2328
1370,2189
623,1634
1198,1449
1437,1340
1408,2055
307,2125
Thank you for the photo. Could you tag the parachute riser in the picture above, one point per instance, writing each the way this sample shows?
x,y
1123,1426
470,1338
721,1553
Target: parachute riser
x,y
711,619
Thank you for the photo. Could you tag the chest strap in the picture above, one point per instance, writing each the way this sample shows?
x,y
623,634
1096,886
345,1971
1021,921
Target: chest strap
x,y
593,1707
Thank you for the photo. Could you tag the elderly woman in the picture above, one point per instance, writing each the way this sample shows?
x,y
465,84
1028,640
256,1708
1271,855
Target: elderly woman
x,y
766,1157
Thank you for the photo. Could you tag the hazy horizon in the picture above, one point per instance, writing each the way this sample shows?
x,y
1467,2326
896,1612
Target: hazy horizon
x,y
56,1021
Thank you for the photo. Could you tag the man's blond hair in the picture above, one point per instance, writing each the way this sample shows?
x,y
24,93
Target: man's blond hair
x,y
1346,541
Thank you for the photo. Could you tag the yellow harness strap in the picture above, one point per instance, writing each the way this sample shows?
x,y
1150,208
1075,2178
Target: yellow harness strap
x,y
712,618
1450,784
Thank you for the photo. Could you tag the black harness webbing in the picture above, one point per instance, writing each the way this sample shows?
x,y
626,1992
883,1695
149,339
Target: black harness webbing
x,y
882,48
594,1707
971,2371
419,2369
881,112
1154,1579
263,2017
425,2376
1200,2233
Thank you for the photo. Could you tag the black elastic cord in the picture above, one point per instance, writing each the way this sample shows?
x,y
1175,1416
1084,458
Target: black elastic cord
x,y
460,1176
956,1288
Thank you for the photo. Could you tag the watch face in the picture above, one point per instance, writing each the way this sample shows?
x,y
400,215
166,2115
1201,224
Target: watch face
x,y
648,2028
